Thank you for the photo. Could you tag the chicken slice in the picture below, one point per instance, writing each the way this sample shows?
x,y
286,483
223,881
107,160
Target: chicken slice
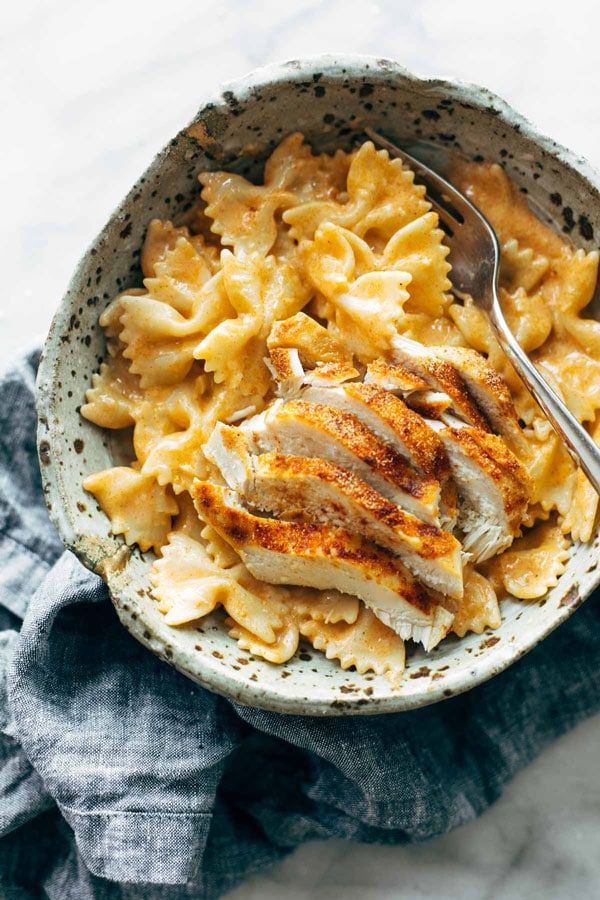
x,y
478,393
330,374
488,389
493,487
326,557
414,390
388,417
394,377
294,487
441,375
299,428
429,404
287,370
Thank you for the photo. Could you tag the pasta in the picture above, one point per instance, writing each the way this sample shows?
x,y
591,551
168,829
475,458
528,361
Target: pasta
x,y
308,279
367,644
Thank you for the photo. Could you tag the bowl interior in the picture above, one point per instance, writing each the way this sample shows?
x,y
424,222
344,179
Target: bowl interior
x,y
330,101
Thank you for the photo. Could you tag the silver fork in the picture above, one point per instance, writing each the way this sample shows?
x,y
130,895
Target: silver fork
x,y
475,255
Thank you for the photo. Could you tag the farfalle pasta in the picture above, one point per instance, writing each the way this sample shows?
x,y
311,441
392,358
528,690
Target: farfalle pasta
x,y
322,296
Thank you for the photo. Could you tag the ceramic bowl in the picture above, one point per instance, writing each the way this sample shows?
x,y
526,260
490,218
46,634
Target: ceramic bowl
x,y
330,99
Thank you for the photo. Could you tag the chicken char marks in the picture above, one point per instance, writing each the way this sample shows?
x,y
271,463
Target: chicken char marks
x,y
326,557
301,488
342,484
494,488
478,394
300,428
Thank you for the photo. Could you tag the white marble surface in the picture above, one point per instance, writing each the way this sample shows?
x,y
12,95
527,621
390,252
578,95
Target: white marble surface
x,y
539,841
89,92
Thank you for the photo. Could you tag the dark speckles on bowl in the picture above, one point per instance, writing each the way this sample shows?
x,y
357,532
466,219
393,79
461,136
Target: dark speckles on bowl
x,y
331,100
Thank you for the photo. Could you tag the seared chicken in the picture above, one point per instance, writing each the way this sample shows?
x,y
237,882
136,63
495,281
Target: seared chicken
x,y
429,404
415,391
295,487
488,390
287,371
395,378
326,557
330,374
289,374
390,420
479,395
398,426
358,479
493,488
299,428
442,376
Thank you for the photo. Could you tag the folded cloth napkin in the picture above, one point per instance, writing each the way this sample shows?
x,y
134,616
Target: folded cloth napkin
x,y
119,778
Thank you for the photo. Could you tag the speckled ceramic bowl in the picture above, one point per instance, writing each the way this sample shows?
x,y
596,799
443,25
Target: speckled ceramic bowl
x,y
330,99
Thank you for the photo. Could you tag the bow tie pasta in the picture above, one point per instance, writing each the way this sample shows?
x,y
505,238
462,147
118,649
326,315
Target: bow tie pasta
x,y
321,520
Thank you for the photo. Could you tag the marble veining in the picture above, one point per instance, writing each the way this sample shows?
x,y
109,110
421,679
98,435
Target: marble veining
x,y
89,93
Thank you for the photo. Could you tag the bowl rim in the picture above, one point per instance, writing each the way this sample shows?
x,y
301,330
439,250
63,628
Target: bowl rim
x,y
49,431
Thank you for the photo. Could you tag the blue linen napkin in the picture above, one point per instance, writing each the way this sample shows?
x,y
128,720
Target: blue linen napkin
x,y
119,778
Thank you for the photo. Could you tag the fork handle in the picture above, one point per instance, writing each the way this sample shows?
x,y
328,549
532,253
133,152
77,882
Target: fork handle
x,y
580,446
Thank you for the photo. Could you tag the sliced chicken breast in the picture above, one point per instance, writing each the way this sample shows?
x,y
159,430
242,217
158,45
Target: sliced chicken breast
x,y
287,371
489,392
326,557
414,390
394,377
479,395
330,374
442,376
289,374
294,487
429,404
388,417
493,487
300,428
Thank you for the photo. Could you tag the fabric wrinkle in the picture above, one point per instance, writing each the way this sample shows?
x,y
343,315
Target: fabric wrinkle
x,y
120,779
